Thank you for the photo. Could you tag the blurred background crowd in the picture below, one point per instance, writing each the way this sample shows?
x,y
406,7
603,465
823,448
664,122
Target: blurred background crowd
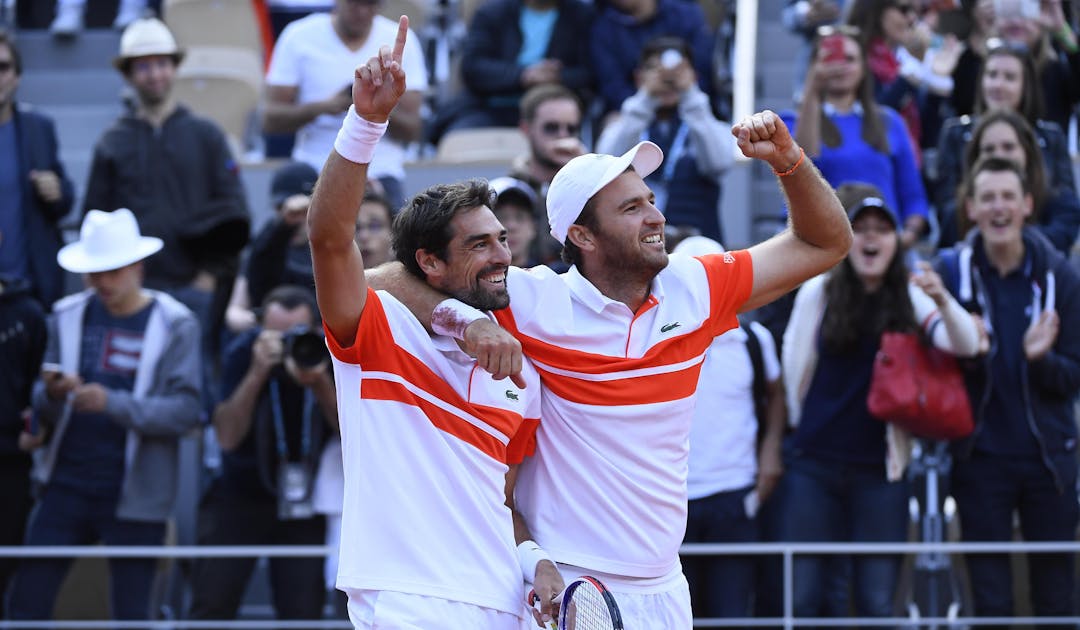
x,y
210,120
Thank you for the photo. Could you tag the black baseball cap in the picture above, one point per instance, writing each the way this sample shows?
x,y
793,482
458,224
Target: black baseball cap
x,y
294,178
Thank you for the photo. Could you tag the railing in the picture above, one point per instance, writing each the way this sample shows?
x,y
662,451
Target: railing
x,y
788,551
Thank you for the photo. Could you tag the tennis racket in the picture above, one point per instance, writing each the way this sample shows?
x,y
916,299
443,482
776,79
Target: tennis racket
x,y
586,604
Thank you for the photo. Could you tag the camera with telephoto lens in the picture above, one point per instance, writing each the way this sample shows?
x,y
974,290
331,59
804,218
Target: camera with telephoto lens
x,y
305,346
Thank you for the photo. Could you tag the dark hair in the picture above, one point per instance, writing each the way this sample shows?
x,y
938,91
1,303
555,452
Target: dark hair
x,y
290,296
1034,175
540,94
1031,104
866,16
424,222
571,254
659,44
873,121
7,38
990,165
845,324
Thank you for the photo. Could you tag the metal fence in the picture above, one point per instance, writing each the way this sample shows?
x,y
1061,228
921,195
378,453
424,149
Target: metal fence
x,y
787,551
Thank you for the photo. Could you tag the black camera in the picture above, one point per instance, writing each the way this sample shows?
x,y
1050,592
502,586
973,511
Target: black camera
x,y
306,346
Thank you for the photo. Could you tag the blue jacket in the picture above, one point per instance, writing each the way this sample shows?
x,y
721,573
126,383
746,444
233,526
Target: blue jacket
x,y
489,64
1048,386
38,150
1060,219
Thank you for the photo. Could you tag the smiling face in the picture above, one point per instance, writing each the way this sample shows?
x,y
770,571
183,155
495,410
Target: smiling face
x,y
998,206
152,78
1003,82
630,230
477,258
874,246
999,139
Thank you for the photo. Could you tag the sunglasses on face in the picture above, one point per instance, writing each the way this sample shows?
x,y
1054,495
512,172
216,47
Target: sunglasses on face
x,y
6,66
905,8
557,129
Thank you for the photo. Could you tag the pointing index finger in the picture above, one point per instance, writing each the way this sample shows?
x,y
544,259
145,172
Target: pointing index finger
x,y
402,35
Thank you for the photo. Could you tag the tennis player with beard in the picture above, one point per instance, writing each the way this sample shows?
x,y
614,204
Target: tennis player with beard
x,y
430,443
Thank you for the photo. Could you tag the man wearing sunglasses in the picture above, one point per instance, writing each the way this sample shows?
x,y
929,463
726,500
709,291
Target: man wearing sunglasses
x,y
35,193
551,120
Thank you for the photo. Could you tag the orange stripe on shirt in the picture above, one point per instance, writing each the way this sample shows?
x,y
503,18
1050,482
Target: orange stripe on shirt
x,y
676,350
638,390
377,389
731,281
375,350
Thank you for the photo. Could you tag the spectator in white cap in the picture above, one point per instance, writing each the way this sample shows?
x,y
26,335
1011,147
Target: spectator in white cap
x,y
119,386
619,341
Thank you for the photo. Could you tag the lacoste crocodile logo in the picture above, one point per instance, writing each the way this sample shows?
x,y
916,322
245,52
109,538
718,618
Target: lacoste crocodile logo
x,y
669,327
511,395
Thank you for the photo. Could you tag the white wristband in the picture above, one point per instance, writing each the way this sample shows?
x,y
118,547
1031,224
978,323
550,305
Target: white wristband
x,y
451,317
529,555
357,137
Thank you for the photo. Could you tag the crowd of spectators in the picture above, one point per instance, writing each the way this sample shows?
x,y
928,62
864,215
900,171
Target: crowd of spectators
x,y
943,126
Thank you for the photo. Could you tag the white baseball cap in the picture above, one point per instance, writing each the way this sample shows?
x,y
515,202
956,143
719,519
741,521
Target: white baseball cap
x,y
585,175
107,241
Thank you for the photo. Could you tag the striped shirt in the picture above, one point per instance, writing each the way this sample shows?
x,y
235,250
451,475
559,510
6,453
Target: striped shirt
x,y
607,488
427,438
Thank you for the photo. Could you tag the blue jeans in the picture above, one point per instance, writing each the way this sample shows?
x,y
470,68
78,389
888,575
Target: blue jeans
x,y
65,516
988,489
828,501
720,586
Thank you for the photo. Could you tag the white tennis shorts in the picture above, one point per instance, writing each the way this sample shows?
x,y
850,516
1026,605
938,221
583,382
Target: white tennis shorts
x,y
391,610
660,604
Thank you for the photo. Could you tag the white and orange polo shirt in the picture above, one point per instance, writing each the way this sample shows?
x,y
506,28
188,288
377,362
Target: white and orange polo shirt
x,y
606,490
426,439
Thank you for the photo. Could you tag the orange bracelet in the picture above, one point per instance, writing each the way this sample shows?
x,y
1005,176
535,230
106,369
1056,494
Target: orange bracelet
x,y
802,155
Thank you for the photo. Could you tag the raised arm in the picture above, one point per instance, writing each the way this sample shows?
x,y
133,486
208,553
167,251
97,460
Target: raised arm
x,y
818,234
339,268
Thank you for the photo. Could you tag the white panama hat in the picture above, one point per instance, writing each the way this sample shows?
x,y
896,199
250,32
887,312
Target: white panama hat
x,y
107,241
585,175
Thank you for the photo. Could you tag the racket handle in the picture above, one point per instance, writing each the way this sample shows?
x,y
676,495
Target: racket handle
x,y
533,600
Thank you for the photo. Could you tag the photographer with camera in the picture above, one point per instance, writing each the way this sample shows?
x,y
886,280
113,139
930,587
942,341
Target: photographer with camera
x,y
670,110
278,402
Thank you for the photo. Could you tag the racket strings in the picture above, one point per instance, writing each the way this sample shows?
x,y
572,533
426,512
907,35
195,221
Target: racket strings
x,y
588,610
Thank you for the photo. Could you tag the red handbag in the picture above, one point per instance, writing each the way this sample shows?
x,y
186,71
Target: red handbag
x,y
919,388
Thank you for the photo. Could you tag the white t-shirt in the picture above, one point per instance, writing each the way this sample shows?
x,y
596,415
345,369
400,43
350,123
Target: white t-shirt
x,y
310,56
723,436
426,438
606,490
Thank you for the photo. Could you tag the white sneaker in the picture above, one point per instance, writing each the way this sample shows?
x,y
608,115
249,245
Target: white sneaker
x,y
68,22
126,14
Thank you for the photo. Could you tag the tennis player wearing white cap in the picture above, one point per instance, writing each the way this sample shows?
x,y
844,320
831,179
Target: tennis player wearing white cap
x,y
619,340
120,386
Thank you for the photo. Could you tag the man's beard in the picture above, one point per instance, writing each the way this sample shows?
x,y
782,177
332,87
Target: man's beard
x,y
485,300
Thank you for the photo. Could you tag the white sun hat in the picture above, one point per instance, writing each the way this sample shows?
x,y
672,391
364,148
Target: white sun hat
x,y
585,175
107,241
146,37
